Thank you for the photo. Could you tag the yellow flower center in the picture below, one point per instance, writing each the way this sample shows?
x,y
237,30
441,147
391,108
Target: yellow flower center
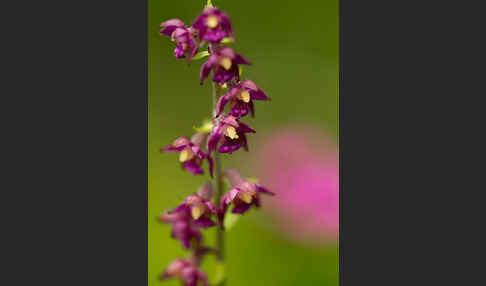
x,y
231,132
249,188
196,212
185,155
225,62
212,21
246,197
245,96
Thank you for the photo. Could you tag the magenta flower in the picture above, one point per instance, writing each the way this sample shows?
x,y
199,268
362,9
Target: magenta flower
x,y
224,64
303,164
186,45
241,99
230,133
169,26
183,227
191,155
177,31
189,274
243,194
227,135
199,209
212,26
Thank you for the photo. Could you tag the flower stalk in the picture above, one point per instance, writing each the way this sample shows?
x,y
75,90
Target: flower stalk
x,y
225,134
218,180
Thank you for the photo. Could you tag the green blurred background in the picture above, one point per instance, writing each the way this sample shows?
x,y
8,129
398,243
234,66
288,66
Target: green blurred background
x,y
293,47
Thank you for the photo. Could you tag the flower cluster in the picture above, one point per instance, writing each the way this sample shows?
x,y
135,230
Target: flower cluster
x,y
226,134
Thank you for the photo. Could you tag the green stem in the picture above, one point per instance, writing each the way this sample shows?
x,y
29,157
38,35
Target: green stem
x,y
218,181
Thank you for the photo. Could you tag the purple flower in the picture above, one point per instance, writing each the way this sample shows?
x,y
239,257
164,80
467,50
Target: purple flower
x,y
177,31
189,274
169,26
230,133
191,155
224,63
213,25
243,194
199,209
183,227
241,99
185,44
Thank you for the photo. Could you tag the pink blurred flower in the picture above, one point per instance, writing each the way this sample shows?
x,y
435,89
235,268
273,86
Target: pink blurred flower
x,y
302,166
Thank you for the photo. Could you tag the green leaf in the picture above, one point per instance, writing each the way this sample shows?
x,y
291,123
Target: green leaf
x,y
230,220
200,55
240,70
206,126
226,40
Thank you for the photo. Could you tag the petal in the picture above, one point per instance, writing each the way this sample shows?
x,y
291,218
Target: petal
x,y
192,53
239,59
170,25
199,22
227,52
201,276
169,217
172,148
181,141
204,222
257,201
214,139
211,164
222,101
192,167
258,95
244,128
252,108
169,148
179,52
234,177
230,120
240,109
173,22
181,207
248,84
202,35
186,242
213,35
193,46
206,191
206,68
199,139
244,142
165,275
227,198
222,75
196,150
229,146
212,207
241,208
263,190
179,33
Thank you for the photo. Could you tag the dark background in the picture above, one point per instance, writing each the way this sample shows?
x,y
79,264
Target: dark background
x,y
75,143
